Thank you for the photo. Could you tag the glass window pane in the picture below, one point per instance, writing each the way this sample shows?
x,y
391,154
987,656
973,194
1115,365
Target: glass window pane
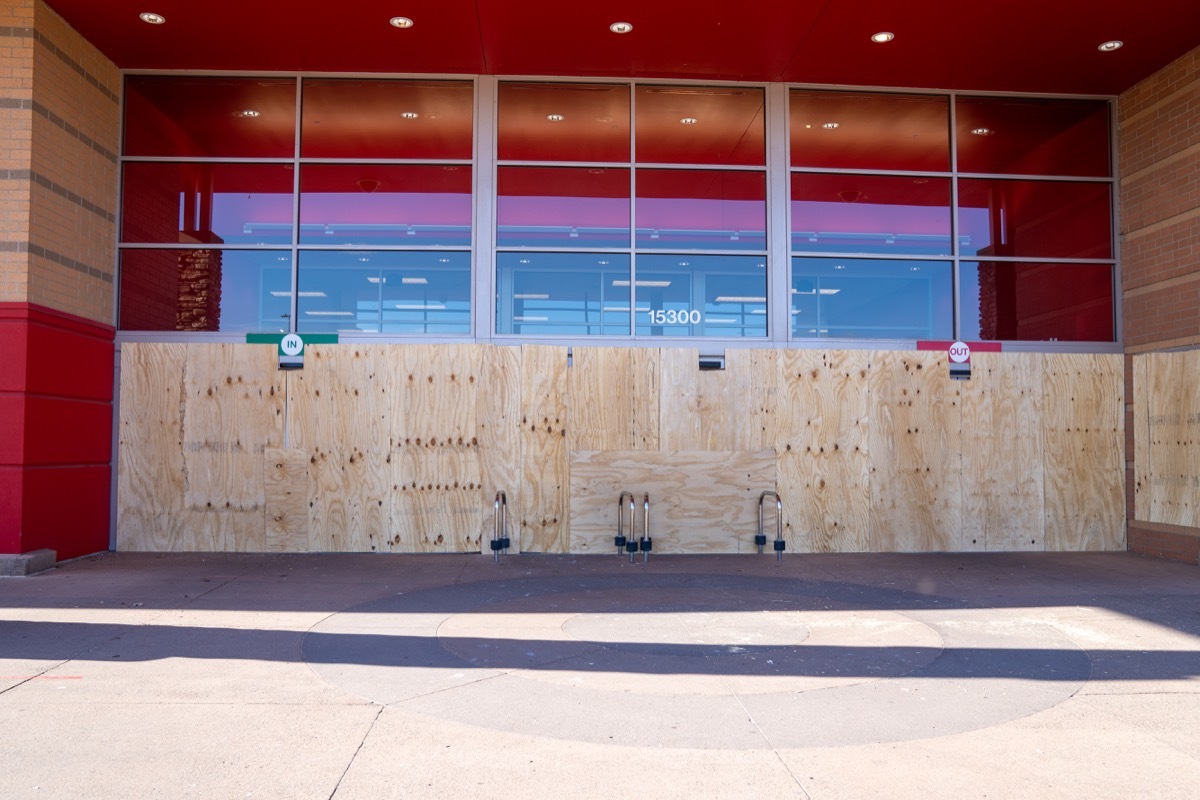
x,y
210,117
871,299
849,130
855,213
563,122
207,203
1026,302
697,125
562,207
703,210
1035,219
686,295
385,204
386,119
1022,136
562,294
401,292
205,290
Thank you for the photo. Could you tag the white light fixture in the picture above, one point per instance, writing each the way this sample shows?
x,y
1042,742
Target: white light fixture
x,y
151,18
621,27
400,22
416,281
247,113
330,313
531,319
443,261
1109,46
531,297
830,126
420,306
688,121
737,299
982,131
882,36
410,115
555,117
650,284
302,294
376,280
524,260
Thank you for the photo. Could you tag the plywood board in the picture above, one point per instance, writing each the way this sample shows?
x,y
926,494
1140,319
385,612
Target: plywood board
x,y
822,447
542,514
700,502
1002,482
645,379
1083,413
232,411
438,503
601,390
150,483
915,442
285,475
678,399
1167,436
339,413
499,425
737,405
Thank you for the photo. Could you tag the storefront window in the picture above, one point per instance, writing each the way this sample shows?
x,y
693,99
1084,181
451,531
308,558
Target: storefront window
x,y
1020,301
852,130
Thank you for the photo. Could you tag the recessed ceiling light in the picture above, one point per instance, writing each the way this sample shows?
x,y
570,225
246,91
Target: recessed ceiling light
x,y
248,113
831,125
400,22
621,27
982,131
1109,46
882,36
555,117
410,115
415,281
152,18
920,180
688,121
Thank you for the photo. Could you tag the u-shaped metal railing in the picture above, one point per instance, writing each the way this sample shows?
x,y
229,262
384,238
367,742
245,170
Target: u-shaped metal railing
x,y
760,538
500,539
620,540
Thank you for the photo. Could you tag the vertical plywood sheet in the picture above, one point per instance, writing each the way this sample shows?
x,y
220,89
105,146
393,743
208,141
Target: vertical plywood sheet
x,y
602,391
1003,502
1083,403
915,442
644,416
700,502
678,399
542,515
285,475
150,483
499,424
435,463
737,405
339,409
1167,436
233,411
822,447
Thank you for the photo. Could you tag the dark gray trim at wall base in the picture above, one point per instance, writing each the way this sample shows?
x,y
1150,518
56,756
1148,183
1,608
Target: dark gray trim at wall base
x,y
55,119
60,190
7,32
57,258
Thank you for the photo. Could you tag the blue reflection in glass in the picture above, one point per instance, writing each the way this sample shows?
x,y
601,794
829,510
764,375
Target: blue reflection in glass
x,y
871,299
695,295
562,294
401,292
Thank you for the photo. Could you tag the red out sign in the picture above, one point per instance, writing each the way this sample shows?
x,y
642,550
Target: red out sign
x,y
960,353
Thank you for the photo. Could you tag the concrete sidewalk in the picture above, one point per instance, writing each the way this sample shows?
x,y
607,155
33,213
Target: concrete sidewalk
x,y
833,676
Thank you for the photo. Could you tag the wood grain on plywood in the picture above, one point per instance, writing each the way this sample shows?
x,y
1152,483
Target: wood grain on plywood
x,y
285,474
1167,437
542,514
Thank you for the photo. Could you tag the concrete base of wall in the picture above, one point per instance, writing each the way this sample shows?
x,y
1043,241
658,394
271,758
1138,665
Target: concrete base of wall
x,y
18,566
1160,541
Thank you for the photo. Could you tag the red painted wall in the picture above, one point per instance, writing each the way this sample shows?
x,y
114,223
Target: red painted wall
x,y
56,381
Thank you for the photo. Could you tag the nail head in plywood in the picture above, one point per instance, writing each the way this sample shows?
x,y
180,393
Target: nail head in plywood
x,y
822,447
915,436
700,501
1084,418
1002,453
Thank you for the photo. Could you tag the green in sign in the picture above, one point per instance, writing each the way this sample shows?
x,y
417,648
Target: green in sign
x,y
295,342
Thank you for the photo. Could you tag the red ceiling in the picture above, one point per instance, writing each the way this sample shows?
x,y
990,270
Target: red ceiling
x,y
1017,45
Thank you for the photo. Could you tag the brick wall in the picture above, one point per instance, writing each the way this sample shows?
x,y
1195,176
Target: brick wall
x,y
1159,150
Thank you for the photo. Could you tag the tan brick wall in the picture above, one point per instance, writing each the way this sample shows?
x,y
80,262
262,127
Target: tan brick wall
x,y
76,125
1159,141
16,126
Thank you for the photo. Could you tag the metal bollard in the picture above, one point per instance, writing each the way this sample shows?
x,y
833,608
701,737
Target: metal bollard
x,y
500,539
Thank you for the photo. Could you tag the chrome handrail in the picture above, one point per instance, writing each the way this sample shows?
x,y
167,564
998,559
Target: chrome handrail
x,y
620,540
646,542
500,539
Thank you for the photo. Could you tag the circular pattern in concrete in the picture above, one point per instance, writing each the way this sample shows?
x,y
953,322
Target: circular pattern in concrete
x,y
712,661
